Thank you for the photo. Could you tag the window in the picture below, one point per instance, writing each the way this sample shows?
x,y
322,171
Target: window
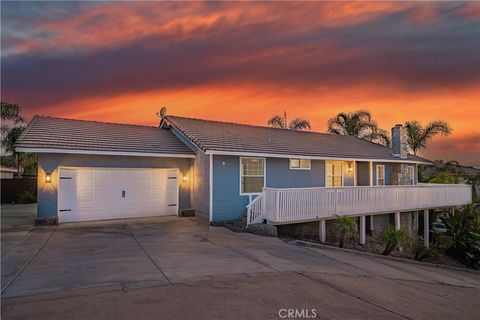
x,y
334,174
411,174
252,175
380,175
300,164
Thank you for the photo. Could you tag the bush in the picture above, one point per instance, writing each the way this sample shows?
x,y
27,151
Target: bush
x,y
420,252
393,238
463,232
27,197
348,229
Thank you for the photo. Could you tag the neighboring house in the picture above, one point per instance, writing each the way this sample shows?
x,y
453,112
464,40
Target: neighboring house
x,y
463,173
92,170
7,173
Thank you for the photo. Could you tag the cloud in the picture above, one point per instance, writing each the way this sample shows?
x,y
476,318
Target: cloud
x,y
232,59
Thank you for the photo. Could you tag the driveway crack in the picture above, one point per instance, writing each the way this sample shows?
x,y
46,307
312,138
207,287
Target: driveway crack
x,y
27,263
353,295
146,252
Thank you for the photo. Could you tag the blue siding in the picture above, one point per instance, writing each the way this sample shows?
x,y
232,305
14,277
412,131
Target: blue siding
x,y
47,193
388,172
363,173
279,174
228,204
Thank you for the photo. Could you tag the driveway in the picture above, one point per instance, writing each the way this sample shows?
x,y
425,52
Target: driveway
x,y
181,268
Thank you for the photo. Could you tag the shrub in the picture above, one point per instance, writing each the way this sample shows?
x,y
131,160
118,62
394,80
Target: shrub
x,y
348,229
463,231
27,197
393,238
420,252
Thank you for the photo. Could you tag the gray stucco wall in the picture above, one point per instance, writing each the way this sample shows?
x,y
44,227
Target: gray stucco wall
x,y
47,193
200,193
201,185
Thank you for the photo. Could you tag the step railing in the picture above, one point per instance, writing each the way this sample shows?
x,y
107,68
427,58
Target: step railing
x,y
255,209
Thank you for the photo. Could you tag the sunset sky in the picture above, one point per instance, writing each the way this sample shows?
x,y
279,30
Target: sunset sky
x,y
243,62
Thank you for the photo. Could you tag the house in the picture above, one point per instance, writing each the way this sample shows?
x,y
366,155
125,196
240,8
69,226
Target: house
x,y
461,173
91,170
7,173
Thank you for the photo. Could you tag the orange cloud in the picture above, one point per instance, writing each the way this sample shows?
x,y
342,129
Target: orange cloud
x,y
254,105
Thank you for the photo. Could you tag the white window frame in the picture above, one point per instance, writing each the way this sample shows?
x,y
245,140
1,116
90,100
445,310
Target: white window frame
x,y
241,174
378,166
412,179
300,161
341,171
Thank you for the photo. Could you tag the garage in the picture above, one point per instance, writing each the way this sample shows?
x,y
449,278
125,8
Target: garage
x,y
112,193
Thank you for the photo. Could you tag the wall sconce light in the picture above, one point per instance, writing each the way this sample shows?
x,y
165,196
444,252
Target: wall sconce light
x,y
185,178
48,177
350,167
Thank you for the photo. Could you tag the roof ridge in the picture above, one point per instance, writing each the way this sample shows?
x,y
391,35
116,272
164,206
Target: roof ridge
x,y
293,131
95,121
250,125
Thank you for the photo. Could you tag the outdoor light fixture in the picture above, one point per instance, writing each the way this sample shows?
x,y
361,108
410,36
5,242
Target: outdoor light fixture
x,y
48,177
185,178
350,168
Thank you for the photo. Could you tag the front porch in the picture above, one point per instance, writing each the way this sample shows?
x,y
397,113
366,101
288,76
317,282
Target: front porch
x,y
280,206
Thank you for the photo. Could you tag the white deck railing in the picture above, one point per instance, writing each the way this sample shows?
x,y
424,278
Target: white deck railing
x,y
304,204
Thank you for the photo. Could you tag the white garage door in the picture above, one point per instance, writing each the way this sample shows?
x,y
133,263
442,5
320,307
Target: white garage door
x,y
110,193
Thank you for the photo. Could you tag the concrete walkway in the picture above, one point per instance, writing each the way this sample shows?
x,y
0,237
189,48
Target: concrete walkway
x,y
181,268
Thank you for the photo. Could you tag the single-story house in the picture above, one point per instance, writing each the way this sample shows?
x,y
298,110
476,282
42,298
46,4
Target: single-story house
x,y
90,170
8,173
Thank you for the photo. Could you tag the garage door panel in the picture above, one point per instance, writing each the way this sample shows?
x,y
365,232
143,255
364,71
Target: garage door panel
x,y
107,193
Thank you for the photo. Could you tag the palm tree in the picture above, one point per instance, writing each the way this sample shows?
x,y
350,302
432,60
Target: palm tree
x,y
419,135
281,122
358,124
393,238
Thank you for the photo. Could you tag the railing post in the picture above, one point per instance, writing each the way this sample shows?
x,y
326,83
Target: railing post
x,y
277,205
263,204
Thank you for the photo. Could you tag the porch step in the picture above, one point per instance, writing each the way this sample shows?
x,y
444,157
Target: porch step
x,y
263,229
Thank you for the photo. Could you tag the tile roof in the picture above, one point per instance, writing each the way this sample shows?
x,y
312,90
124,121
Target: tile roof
x,y
239,138
57,133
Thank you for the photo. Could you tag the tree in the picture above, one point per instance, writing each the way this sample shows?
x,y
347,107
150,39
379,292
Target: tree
x,y
281,122
418,135
358,124
393,238
12,127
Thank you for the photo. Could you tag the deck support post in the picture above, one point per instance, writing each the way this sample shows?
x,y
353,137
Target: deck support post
x,y
426,229
397,220
417,227
323,230
452,211
363,238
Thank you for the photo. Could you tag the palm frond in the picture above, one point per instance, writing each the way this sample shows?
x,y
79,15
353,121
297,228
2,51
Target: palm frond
x,y
277,121
299,124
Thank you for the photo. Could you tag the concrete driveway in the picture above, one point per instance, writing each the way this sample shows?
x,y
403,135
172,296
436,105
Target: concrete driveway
x,y
182,268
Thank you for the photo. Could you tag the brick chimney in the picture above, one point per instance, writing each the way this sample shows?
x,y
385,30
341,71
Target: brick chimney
x,y
399,142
